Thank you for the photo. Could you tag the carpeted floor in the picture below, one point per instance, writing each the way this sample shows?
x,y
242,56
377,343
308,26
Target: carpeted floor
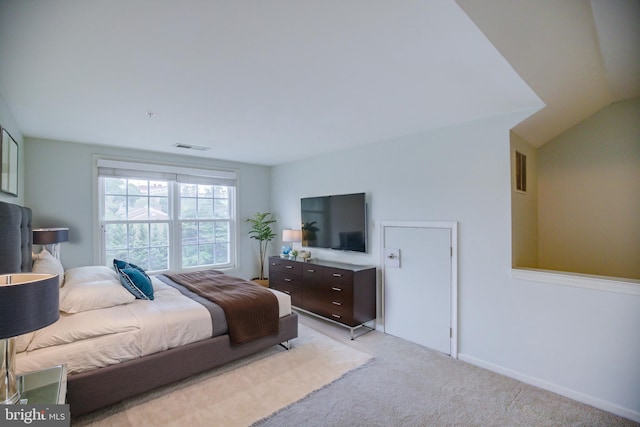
x,y
404,384
408,385
240,393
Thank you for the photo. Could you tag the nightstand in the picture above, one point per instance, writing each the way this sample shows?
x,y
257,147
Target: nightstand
x,y
48,386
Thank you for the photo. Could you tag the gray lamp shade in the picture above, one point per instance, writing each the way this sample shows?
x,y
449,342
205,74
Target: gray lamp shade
x,y
50,236
30,302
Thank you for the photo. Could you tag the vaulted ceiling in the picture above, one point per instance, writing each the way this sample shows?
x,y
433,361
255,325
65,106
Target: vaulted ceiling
x,y
577,55
269,82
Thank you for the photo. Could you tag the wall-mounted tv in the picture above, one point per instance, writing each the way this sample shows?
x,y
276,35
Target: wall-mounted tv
x,y
335,222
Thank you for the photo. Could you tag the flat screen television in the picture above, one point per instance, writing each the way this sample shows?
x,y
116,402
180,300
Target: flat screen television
x,y
335,222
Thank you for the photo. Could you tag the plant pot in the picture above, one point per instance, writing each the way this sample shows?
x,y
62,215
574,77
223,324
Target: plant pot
x,y
264,282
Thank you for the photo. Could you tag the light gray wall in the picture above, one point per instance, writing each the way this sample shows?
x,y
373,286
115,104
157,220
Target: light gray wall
x,y
60,189
577,341
8,122
589,195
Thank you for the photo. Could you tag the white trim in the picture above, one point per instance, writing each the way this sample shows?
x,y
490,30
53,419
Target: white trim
x,y
599,283
221,176
555,388
96,208
453,227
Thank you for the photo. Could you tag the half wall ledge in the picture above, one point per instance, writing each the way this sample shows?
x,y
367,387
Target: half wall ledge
x,y
586,281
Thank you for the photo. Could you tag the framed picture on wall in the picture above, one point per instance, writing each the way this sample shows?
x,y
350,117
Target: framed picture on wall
x,y
9,162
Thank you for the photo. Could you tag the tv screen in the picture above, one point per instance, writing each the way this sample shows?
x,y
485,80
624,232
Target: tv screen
x,y
335,222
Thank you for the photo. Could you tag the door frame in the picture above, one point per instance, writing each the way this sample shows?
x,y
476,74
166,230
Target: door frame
x,y
452,226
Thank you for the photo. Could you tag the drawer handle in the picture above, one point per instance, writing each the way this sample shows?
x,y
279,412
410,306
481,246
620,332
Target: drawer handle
x,y
337,316
311,271
288,266
287,279
336,303
337,275
336,289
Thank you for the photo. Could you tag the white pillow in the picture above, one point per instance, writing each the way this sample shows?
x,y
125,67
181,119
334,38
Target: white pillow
x,y
92,288
45,263
91,273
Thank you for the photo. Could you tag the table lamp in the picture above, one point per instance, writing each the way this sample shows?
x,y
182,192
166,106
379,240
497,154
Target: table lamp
x,y
51,238
28,302
289,236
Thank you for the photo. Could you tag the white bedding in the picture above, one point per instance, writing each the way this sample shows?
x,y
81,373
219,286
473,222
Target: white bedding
x,y
96,338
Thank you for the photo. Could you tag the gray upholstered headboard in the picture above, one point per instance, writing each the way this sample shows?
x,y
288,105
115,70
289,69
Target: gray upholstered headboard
x,y
15,238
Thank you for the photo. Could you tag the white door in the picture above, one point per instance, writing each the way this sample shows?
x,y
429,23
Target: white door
x,y
418,290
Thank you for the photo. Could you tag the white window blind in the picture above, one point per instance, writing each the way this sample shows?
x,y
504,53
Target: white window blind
x,y
120,168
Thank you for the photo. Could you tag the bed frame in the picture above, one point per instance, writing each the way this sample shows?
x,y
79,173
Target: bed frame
x,y
96,389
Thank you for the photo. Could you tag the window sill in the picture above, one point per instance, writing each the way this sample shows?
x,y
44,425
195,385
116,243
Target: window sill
x,y
585,281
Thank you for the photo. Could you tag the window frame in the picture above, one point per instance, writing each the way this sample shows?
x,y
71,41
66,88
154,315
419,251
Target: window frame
x,y
231,226
225,177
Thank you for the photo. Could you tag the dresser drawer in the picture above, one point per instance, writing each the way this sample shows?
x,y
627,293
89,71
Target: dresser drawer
x,y
327,294
342,316
285,278
318,299
312,273
331,287
337,276
285,265
333,311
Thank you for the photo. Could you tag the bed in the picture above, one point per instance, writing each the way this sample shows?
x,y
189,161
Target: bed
x,y
123,347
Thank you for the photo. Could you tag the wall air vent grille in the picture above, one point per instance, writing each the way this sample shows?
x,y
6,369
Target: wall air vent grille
x,y
191,147
521,172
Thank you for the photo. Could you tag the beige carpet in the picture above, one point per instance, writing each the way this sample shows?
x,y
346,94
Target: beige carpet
x,y
240,393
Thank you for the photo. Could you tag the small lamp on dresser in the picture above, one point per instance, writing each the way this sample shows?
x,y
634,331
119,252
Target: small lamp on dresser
x,y
51,238
28,302
289,236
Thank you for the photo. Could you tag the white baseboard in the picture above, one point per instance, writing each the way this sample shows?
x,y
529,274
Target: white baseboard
x,y
563,391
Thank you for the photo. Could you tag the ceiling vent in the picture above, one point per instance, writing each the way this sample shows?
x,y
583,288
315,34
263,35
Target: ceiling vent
x,y
191,147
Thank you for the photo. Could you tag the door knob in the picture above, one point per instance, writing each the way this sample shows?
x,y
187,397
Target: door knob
x,y
392,257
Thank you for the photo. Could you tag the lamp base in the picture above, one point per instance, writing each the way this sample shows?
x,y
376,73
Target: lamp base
x,y
54,249
9,393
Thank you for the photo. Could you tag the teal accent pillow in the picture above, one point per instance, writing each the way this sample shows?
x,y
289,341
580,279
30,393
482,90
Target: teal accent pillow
x,y
134,279
137,283
118,264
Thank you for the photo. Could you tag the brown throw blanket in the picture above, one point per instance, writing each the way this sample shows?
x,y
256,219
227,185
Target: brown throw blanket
x,y
252,311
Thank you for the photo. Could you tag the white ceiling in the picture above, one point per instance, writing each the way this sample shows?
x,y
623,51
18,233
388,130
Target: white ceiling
x,y
577,55
270,82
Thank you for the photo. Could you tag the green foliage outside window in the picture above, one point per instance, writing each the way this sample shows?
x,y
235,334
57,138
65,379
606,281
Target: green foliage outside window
x,y
138,225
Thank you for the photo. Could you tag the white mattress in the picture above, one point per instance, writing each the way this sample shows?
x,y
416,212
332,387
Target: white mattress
x,y
93,339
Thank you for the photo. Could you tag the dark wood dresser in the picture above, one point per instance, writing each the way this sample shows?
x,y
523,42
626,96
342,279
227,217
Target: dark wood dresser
x,y
343,293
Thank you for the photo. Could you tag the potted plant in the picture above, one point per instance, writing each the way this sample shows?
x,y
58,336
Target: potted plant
x,y
309,233
262,232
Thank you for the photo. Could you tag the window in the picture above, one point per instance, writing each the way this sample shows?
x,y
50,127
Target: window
x,y
161,218
135,221
204,224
